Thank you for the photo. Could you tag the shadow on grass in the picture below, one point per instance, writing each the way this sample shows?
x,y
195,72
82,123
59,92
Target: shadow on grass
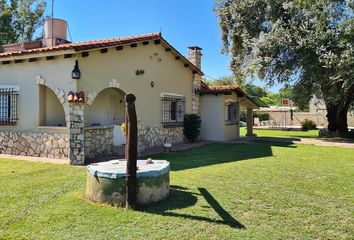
x,y
181,198
219,153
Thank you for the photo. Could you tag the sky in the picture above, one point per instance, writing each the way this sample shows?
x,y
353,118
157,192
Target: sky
x,y
182,22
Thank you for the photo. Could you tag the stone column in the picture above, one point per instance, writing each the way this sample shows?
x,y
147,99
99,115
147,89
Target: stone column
x,y
249,122
195,57
197,79
76,123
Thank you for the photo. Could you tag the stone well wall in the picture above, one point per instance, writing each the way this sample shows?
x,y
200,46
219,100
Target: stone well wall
x,y
98,141
154,136
41,144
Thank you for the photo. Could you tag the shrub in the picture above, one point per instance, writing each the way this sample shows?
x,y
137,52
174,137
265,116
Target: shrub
x,y
191,126
243,116
263,116
308,125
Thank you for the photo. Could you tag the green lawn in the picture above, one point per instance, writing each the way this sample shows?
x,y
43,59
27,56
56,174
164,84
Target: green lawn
x,y
219,191
281,133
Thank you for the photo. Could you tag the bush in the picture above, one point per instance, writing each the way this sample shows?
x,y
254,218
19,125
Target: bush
x,y
191,126
243,116
308,125
262,116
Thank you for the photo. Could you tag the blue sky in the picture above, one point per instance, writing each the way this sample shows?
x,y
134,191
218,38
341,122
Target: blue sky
x,y
182,23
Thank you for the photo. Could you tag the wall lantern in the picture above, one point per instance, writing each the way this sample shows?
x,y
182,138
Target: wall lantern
x,y
76,74
196,90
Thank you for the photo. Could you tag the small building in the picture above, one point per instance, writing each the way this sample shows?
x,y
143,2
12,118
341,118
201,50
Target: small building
x,y
65,100
220,112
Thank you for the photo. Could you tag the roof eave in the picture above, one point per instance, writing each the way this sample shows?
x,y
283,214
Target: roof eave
x,y
183,58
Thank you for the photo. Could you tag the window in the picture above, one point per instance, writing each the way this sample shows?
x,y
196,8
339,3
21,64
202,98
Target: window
x,y
231,112
8,105
173,109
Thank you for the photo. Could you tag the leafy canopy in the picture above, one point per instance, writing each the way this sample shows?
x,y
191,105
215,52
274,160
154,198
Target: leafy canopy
x,y
19,19
308,43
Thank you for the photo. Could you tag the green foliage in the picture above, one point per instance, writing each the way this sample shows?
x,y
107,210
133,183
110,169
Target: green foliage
x,y
281,133
263,116
243,116
224,80
19,19
191,126
253,90
308,125
272,99
306,42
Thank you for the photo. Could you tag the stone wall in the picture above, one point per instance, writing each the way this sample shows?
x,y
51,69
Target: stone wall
x,y
197,79
280,119
50,145
76,123
154,136
98,141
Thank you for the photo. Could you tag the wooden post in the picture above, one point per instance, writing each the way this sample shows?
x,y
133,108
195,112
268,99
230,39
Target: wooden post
x,y
249,122
131,149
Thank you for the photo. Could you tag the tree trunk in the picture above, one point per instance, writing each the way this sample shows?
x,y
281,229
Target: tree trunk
x,y
332,118
342,123
337,118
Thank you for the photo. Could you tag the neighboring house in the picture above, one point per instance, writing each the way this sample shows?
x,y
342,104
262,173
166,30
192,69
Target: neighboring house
x,y
39,115
317,104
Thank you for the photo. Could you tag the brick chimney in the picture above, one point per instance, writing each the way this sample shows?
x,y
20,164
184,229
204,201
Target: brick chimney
x,y
195,56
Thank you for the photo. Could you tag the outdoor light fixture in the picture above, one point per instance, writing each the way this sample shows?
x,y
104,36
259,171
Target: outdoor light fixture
x,y
76,74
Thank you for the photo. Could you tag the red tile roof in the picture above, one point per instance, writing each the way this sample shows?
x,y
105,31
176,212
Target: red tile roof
x,y
81,46
222,90
96,44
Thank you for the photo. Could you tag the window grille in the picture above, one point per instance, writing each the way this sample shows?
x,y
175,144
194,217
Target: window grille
x,y
231,113
173,109
8,106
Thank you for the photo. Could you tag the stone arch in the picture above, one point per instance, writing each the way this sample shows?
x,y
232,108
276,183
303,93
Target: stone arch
x,y
51,106
106,107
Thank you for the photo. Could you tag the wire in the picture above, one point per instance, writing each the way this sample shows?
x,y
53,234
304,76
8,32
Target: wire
x,y
71,39
210,77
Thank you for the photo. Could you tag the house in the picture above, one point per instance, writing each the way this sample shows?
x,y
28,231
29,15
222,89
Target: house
x,y
60,99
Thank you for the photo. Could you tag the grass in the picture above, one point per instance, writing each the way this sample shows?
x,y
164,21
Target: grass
x,y
219,191
281,133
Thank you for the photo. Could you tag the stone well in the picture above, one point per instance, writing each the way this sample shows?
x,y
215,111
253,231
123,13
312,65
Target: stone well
x,y
106,181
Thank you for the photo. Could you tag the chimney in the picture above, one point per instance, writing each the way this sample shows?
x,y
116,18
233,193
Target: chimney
x,y
195,56
54,32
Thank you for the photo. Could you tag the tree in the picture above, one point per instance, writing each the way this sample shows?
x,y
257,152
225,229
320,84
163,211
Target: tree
x,y
309,42
224,80
254,90
19,19
271,99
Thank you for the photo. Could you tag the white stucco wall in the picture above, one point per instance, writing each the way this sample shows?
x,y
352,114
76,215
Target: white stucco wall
x,y
56,74
169,76
54,111
107,108
213,112
212,116
98,70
